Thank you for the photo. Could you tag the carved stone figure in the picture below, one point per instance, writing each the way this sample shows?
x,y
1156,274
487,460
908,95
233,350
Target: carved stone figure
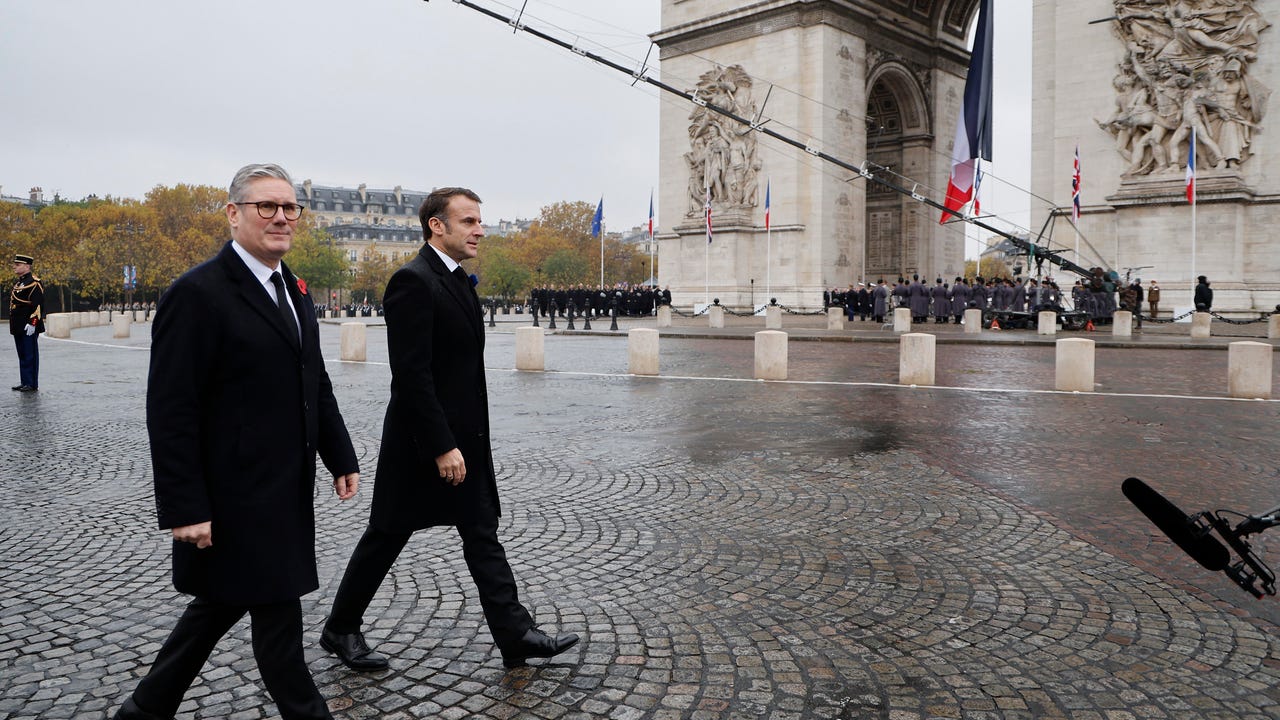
x,y
1186,66
722,153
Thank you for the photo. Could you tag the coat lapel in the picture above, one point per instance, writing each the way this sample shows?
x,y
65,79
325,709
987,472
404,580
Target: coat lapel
x,y
455,289
255,296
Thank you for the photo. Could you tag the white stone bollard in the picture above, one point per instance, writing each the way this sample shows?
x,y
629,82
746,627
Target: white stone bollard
x,y
1200,325
902,320
140,316
917,354
529,349
835,318
353,342
664,316
642,351
771,355
1273,326
1074,365
773,317
120,326
972,321
58,325
1047,323
95,318
715,314
1122,324
1249,370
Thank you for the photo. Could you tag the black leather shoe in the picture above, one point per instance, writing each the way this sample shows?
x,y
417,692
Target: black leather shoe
x,y
130,711
537,644
353,651
17,387
25,388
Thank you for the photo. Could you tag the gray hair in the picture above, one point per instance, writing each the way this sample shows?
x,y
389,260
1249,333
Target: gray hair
x,y
249,173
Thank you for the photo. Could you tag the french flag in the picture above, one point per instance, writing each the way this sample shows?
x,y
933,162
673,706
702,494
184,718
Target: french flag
x,y
1191,168
650,215
973,130
766,204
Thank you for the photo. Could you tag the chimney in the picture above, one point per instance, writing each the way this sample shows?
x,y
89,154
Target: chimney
x,y
37,195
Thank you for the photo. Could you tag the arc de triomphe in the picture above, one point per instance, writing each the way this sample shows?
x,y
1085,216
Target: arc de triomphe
x,y
882,81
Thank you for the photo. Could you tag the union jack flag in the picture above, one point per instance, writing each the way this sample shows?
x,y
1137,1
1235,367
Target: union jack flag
x,y
1075,188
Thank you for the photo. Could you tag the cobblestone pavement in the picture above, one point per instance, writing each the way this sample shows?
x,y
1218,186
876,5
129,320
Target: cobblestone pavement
x,y
829,547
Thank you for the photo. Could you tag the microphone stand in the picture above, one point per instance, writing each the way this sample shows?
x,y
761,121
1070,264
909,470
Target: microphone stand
x,y
1250,569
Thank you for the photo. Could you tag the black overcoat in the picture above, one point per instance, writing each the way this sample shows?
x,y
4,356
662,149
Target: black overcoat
x,y
435,342
236,412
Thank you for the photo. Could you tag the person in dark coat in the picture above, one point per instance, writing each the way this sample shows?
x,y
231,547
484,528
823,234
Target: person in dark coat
x,y
1203,297
435,467
880,301
938,295
238,404
26,322
918,296
959,298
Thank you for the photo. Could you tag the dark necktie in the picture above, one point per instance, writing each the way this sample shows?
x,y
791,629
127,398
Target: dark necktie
x,y
282,301
461,274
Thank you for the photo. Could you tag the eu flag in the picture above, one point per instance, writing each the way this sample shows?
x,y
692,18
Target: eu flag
x,y
598,220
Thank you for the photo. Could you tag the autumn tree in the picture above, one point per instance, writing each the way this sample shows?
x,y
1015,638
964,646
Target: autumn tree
x,y
315,258
502,277
372,274
988,266
192,226
114,235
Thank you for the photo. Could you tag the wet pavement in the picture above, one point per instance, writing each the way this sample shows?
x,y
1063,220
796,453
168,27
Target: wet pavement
x,y
833,546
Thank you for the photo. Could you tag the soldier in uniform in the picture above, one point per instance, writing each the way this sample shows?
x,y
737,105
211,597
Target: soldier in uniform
x,y
26,322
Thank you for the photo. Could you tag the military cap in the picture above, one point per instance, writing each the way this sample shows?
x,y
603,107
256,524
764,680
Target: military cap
x,y
23,259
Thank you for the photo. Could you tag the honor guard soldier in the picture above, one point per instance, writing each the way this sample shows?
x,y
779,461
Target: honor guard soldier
x,y
26,322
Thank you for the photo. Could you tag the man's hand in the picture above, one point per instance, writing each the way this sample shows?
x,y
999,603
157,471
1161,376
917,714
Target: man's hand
x,y
452,467
346,485
201,534
31,330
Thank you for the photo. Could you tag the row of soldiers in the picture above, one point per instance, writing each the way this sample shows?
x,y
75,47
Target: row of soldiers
x,y
946,302
631,300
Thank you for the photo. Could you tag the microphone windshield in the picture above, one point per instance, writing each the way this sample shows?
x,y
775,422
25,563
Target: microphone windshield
x,y
1181,529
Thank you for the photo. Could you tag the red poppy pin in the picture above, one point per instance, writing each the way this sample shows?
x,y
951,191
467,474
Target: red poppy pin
x,y
302,286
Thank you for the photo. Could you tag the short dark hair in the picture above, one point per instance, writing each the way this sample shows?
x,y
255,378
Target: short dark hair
x,y
437,203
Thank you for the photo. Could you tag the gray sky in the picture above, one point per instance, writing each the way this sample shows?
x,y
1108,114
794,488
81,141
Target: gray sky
x,y
114,97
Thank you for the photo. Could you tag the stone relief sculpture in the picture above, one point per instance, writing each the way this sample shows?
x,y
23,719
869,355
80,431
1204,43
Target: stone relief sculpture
x,y
722,153
1186,66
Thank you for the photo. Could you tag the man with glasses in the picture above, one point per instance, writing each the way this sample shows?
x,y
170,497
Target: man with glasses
x,y
26,322
238,405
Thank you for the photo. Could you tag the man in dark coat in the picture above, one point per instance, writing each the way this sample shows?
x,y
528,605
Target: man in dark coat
x,y
238,403
435,467
1203,297
26,322
918,296
880,301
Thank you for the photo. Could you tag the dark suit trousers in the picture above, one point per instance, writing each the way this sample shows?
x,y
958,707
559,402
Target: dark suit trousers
x,y
486,560
277,646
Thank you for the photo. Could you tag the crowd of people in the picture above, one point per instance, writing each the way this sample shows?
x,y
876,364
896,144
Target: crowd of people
x,y
631,300
1098,297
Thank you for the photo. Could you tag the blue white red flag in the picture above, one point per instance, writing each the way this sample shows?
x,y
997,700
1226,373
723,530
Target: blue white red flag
x,y
598,220
766,204
708,209
977,187
1191,169
650,214
1075,187
973,129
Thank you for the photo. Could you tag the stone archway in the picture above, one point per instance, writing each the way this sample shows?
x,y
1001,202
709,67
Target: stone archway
x,y
898,132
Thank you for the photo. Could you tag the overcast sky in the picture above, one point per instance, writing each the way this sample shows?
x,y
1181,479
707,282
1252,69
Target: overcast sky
x,y
114,97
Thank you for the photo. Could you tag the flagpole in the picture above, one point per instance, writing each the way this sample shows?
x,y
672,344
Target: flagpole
x,y
602,251
706,250
768,243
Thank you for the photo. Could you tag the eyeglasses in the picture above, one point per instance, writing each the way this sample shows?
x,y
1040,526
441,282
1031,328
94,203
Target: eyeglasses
x,y
267,209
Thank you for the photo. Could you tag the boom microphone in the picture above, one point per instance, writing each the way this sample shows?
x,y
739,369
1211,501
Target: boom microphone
x,y
1183,530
